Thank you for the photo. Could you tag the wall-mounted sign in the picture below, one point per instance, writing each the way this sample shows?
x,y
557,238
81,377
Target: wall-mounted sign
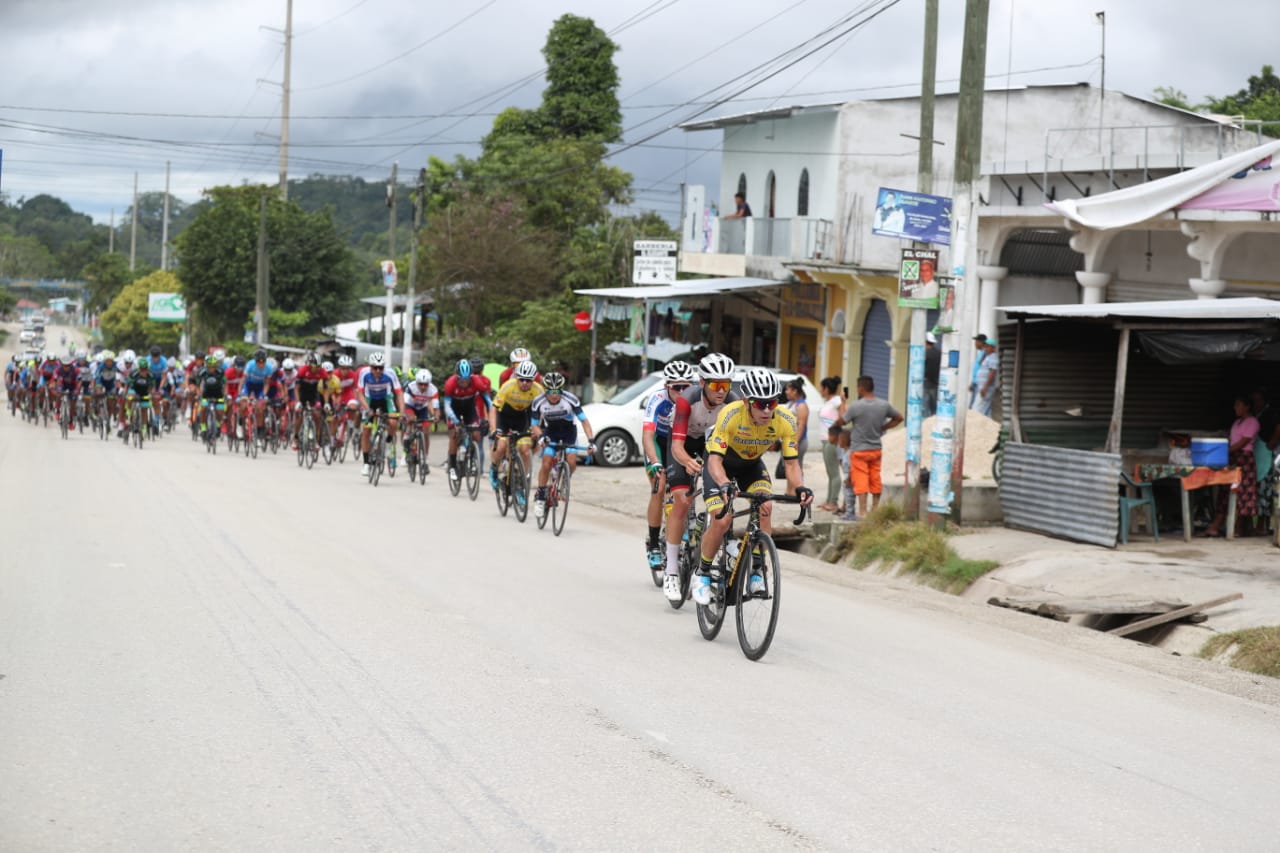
x,y
912,216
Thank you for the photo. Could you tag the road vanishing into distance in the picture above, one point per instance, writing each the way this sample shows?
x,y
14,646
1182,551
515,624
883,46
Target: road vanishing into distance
x,y
216,653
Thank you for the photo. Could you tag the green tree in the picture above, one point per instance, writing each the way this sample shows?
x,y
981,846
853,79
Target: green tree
x,y
545,327
1260,101
581,98
107,275
25,257
484,259
125,324
1172,97
311,268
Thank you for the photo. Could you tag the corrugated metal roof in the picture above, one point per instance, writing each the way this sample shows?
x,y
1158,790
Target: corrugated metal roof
x,y
1069,493
1041,252
1243,308
703,287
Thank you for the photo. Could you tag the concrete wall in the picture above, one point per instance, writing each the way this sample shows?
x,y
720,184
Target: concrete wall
x,y
786,147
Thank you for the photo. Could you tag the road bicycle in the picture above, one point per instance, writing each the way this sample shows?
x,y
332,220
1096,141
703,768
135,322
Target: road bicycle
x,y
210,428
558,486
470,462
690,544
378,432
312,438
64,415
513,482
138,421
756,612
415,454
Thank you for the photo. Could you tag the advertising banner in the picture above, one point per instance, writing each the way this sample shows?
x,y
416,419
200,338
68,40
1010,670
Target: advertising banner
x,y
917,279
912,216
166,307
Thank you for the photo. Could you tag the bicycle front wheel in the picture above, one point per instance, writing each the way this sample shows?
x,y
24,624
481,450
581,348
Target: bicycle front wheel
x,y
471,471
377,456
711,616
420,451
560,505
519,485
759,589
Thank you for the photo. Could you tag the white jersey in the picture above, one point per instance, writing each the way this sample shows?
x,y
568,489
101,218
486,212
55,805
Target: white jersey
x,y
563,410
419,396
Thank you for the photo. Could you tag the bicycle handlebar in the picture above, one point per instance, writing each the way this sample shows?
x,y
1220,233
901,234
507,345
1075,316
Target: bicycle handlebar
x,y
731,493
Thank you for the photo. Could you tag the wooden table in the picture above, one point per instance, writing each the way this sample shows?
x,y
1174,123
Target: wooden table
x,y
1191,478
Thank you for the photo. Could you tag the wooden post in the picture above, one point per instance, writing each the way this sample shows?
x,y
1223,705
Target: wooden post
x,y
1117,405
1015,400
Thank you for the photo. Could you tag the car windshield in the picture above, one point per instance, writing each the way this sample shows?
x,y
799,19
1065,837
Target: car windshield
x,y
632,391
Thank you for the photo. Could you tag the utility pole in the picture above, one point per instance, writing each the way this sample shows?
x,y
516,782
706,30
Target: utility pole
x,y
264,272
284,103
164,228
947,473
1102,87
133,227
389,314
410,309
919,316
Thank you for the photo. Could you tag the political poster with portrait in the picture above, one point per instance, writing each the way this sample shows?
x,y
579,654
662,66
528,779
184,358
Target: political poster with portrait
x,y
912,216
917,279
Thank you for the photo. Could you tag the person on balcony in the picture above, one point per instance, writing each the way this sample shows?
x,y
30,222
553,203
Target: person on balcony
x,y
743,210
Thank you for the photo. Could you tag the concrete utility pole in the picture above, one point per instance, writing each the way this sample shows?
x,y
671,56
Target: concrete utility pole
x,y
919,316
389,313
164,228
1102,87
284,102
264,273
410,317
133,227
947,473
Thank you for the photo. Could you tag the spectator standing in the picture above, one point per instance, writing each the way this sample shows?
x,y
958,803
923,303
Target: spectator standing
x,y
870,417
987,379
979,344
832,402
794,391
742,209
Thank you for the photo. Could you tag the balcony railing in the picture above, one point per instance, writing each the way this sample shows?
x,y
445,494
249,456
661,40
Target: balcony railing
x,y
801,238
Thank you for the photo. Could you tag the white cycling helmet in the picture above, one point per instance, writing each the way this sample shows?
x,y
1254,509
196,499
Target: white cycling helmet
x,y
526,370
128,357
716,366
107,355
344,361
422,377
376,359
288,364
761,384
327,366
519,355
678,371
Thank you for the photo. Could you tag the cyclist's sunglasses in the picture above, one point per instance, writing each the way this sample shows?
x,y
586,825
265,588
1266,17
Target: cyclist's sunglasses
x,y
719,385
679,387
375,367
765,405
524,381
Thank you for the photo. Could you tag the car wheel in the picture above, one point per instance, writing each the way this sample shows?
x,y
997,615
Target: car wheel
x,y
614,449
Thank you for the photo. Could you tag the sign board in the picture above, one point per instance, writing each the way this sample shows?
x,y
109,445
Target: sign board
x,y
912,216
582,321
917,279
389,274
654,262
166,307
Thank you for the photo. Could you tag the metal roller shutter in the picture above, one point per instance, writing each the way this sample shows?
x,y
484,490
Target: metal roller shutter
x,y
876,333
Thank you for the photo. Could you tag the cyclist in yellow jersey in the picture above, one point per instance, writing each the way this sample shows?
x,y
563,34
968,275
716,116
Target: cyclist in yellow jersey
x,y
743,432
510,413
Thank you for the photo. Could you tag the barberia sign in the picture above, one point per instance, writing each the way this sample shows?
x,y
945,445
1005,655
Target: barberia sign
x,y
805,302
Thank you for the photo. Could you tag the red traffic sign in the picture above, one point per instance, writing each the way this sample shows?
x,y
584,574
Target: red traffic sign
x,y
582,321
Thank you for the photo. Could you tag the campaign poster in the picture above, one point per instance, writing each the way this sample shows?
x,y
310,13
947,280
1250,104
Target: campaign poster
x,y
912,216
917,279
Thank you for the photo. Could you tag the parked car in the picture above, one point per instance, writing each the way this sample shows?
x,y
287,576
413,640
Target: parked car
x,y
26,336
618,421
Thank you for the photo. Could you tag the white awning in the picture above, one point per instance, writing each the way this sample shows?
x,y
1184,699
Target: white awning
x,y
698,287
1243,308
1131,205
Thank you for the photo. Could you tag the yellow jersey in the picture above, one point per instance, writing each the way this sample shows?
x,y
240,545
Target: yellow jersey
x,y
332,385
512,396
737,438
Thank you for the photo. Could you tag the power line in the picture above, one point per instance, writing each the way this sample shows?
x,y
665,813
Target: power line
x,y
310,30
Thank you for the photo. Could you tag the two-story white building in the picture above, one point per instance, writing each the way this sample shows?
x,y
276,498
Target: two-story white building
x,y
811,174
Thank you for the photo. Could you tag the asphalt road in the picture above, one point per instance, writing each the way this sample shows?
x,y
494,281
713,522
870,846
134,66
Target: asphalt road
x,y
215,653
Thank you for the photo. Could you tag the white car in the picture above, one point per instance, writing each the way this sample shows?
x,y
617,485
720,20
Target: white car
x,y
26,336
618,421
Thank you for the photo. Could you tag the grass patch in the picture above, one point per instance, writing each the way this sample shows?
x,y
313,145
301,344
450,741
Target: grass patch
x,y
884,537
1256,649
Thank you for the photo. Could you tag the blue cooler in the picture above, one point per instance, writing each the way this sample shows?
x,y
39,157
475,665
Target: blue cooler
x,y
1209,452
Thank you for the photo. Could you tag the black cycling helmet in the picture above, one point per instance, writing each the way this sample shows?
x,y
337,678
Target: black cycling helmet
x,y
260,355
155,350
240,361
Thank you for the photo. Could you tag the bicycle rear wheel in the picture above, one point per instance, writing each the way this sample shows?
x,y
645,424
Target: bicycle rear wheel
x,y
690,556
560,506
519,485
471,470
757,615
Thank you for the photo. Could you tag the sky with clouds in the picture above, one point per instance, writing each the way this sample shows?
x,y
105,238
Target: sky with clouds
x,y
94,91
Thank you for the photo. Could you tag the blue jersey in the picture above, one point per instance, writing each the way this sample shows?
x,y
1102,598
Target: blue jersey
x,y
158,364
256,376
377,387
660,412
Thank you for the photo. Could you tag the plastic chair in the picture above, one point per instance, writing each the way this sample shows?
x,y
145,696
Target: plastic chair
x,y
1146,498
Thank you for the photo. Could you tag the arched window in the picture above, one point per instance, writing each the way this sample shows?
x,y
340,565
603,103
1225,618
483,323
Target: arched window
x,y
770,195
742,185
802,202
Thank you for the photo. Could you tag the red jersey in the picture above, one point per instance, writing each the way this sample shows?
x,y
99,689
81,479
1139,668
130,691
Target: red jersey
x,y
347,383
234,378
312,374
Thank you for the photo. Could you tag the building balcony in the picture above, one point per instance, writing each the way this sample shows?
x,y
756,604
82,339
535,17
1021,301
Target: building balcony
x,y
757,246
